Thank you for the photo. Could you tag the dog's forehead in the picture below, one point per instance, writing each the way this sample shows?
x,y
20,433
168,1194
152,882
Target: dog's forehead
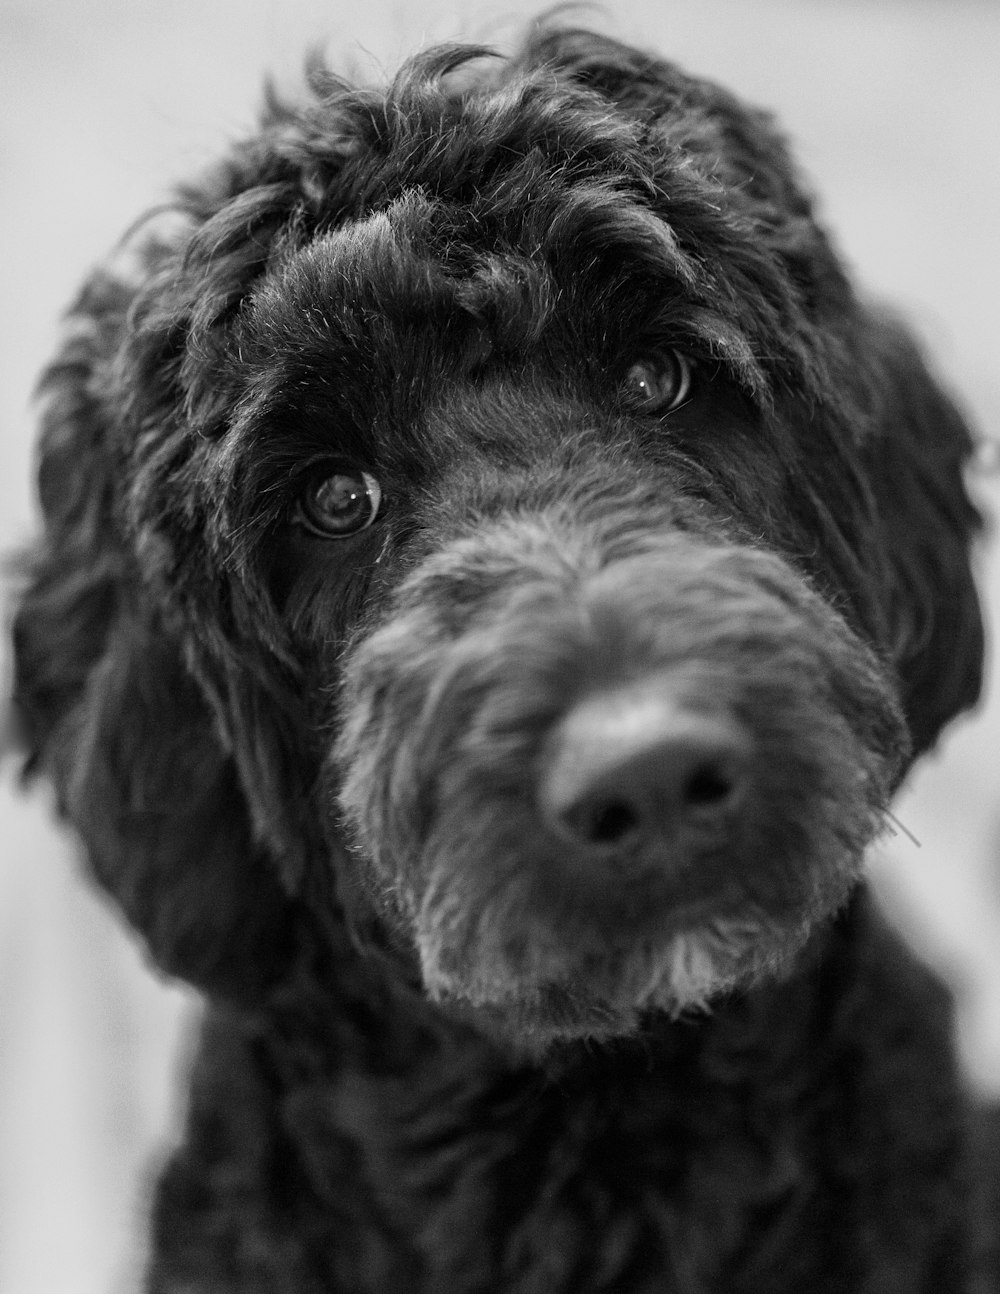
x,y
457,202
424,259
585,270
530,221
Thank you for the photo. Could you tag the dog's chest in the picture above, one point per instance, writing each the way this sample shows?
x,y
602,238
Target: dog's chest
x,y
545,1191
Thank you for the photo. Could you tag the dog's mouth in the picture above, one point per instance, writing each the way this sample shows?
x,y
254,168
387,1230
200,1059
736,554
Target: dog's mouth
x,y
607,993
522,965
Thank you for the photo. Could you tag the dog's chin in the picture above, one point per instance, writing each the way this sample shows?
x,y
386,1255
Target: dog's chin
x,y
609,998
530,1025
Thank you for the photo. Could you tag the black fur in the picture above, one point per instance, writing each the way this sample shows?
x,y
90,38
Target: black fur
x,y
447,1049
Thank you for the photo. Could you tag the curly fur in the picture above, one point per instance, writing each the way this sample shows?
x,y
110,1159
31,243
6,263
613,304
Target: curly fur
x,y
444,1050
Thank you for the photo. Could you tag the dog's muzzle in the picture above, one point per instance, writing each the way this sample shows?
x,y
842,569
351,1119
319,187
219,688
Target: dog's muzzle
x,y
591,783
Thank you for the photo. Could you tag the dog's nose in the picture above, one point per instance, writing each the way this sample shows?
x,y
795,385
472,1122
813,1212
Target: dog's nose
x,y
636,769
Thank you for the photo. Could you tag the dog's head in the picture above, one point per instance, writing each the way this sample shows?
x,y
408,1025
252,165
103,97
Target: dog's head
x,y
491,517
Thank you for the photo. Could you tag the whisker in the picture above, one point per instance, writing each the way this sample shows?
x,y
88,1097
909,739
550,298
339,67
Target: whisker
x,y
898,827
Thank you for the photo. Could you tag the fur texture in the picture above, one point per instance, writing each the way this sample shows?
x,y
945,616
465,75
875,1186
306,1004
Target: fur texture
x,y
449,436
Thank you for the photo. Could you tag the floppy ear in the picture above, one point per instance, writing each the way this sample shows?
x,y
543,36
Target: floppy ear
x,y
200,847
107,710
925,526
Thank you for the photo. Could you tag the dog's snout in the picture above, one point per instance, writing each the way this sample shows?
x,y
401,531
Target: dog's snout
x,y
635,769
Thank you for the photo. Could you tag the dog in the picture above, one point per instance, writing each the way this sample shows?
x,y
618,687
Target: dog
x,y
496,572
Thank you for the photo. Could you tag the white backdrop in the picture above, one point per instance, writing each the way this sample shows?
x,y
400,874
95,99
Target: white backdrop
x,y
895,110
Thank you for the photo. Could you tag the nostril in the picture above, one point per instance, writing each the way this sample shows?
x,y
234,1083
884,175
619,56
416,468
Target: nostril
x,y
711,785
610,823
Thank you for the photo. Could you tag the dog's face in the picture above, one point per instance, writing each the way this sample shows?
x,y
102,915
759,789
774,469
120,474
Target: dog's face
x,y
511,461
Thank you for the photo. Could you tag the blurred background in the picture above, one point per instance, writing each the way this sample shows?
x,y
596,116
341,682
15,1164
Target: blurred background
x,y
894,109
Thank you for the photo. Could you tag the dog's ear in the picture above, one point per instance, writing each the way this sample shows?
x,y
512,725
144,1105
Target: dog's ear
x,y
926,526
105,707
173,756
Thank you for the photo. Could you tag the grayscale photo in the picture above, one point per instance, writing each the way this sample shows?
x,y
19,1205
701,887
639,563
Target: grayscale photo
x,y
500,789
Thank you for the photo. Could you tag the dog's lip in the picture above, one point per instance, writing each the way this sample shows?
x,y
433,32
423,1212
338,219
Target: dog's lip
x,y
650,906
571,997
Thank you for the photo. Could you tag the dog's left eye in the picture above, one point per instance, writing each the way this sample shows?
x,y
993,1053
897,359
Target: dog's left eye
x,y
338,500
659,383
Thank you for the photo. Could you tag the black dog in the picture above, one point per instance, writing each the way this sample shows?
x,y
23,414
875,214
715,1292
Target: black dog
x,y
496,574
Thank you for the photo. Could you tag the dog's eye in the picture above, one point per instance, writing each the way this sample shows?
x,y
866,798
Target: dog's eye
x,y
338,500
660,382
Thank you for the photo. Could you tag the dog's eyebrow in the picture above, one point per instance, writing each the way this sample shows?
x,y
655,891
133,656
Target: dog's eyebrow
x,y
610,224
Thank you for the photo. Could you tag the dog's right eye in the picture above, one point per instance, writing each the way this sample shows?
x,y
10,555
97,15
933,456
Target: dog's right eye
x,y
338,500
659,383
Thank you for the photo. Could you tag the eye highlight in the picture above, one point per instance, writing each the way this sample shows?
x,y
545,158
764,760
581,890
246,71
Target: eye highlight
x,y
337,500
659,383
